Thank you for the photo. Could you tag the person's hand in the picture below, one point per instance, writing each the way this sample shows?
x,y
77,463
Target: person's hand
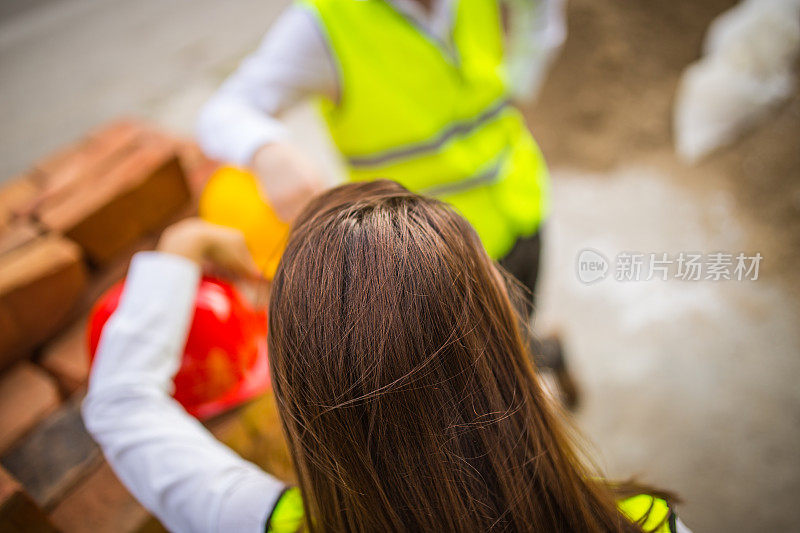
x,y
288,178
215,247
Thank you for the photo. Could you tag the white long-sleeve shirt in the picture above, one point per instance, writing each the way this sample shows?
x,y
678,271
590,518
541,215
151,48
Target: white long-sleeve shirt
x,y
190,481
294,63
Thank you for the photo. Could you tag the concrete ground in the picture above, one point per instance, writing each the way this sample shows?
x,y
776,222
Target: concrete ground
x,y
691,385
69,65
688,384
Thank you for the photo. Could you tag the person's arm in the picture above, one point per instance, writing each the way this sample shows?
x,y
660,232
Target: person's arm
x,y
167,459
240,124
536,31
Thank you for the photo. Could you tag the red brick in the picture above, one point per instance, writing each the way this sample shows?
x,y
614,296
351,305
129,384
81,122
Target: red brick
x,y
113,272
17,234
191,154
18,512
15,196
100,504
27,396
81,165
138,195
39,284
200,175
90,159
197,166
67,358
55,456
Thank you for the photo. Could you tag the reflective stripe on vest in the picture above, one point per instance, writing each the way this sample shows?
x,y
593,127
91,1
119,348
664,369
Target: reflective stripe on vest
x,y
651,513
432,116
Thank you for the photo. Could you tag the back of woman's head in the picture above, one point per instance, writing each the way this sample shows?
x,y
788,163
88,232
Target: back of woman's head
x,y
404,387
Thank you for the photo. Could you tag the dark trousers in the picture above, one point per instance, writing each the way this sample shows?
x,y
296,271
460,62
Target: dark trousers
x,y
522,262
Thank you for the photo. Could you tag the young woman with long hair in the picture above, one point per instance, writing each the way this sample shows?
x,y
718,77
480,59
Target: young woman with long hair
x,y
400,373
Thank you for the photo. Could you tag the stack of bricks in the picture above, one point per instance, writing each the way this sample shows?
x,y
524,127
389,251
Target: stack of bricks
x,y
68,228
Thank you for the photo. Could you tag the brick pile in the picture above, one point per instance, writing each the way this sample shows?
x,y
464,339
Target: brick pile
x,y
68,228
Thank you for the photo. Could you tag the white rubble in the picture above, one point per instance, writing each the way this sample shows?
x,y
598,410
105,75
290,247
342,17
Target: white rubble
x,y
746,70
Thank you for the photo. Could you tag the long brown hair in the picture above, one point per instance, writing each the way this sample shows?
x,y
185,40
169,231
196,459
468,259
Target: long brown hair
x,y
403,382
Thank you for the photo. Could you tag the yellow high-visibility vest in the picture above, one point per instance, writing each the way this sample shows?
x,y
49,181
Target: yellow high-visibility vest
x,y
651,513
434,116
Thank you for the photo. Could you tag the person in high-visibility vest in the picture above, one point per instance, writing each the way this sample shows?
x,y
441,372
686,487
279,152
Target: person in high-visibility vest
x,y
416,91
400,376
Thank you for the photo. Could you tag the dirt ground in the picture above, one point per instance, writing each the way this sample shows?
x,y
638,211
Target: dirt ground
x,y
608,101
690,385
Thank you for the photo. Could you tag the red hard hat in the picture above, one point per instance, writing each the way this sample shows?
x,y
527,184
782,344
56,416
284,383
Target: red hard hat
x,y
225,360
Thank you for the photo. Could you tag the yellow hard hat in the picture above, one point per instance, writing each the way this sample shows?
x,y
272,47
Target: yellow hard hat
x,y
232,198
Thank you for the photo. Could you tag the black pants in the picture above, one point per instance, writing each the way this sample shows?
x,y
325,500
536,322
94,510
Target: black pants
x,y
522,262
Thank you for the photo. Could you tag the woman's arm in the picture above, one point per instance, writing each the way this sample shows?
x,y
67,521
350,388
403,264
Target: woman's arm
x,y
166,458
536,31
291,64
240,123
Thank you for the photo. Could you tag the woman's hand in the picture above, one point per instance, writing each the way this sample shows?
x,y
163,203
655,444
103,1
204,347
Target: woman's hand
x,y
207,244
288,178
